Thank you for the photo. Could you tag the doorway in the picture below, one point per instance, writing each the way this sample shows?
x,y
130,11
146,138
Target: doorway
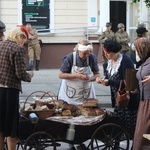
x,y
117,13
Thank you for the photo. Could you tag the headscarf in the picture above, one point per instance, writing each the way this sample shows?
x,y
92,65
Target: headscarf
x,y
142,46
85,47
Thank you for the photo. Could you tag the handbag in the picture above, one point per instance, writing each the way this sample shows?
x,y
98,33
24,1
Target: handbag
x,y
122,97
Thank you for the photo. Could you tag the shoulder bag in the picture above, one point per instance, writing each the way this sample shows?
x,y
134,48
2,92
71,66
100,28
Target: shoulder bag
x,y
122,97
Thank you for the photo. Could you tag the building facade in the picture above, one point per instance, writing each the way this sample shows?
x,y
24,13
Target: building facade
x,y
66,21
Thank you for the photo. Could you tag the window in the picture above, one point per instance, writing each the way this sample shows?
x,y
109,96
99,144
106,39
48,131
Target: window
x,y
37,13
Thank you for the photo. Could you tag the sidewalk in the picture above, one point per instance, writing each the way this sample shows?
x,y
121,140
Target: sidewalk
x,y
47,79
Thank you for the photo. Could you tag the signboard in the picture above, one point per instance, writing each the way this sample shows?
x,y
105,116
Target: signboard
x,y
37,13
93,19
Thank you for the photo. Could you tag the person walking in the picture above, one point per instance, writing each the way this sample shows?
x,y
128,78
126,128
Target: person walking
x,y
34,48
12,72
2,30
107,34
116,71
122,37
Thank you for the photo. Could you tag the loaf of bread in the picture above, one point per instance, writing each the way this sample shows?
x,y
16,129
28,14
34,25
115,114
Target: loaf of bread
x,y
70,107
87,111
66,113
75,111
99,111
90,103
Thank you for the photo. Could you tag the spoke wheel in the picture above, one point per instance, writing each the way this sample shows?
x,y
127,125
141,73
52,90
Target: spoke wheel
x,y
110,137
40,141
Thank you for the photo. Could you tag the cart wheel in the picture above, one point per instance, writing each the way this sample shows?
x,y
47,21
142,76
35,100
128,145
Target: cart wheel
x,y
40,141
110,137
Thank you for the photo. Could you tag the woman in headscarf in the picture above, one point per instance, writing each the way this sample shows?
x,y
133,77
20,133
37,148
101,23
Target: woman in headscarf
x,y
142,47
78,70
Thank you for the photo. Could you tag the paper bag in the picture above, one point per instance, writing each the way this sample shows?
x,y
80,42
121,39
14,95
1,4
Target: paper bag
x,y
131,80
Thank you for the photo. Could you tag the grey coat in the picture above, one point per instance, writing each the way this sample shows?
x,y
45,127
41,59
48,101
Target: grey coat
x,y
144,70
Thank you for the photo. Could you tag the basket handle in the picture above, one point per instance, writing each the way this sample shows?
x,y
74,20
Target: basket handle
x,y
32,94
49,94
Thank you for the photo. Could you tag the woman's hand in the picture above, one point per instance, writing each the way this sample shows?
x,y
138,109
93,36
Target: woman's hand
x,y
105,82
82,76
99,80
31,73
146,80
102,81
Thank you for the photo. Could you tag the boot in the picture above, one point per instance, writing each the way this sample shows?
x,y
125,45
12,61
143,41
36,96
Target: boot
x,y
31,62
37,64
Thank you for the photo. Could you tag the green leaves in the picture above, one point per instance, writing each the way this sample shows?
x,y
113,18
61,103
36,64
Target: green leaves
x,y
147,2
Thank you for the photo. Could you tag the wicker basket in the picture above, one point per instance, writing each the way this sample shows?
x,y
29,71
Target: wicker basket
x,y
42,114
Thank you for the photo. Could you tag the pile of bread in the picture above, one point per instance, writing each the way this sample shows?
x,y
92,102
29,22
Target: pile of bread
x,y
88,108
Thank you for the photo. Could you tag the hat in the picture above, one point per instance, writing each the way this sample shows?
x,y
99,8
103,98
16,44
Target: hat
x,y
23,29
141,30
120,25
2,27
108,24
112,46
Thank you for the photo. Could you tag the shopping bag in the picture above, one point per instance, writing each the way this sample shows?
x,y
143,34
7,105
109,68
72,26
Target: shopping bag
x,y
131,80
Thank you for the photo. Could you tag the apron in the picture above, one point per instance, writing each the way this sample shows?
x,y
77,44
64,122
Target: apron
x,y
74,91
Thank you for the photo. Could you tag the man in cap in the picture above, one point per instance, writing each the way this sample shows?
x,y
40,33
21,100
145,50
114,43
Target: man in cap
x,y
122,38
107,34
2,30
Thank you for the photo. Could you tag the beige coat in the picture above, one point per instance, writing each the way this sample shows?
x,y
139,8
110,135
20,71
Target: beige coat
x,y
123,39
108,35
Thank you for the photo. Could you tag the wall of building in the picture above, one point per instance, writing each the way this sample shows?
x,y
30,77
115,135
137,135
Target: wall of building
x,y
67,14
9,13
52,54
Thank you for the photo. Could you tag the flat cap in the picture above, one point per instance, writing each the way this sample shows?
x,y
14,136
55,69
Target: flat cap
x,y
2,27
108,24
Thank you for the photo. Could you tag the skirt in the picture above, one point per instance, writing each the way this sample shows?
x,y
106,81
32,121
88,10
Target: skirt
x,y
142,126
127,120
9,112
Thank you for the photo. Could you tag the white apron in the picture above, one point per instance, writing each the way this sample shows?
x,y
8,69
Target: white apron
x,y
74,91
